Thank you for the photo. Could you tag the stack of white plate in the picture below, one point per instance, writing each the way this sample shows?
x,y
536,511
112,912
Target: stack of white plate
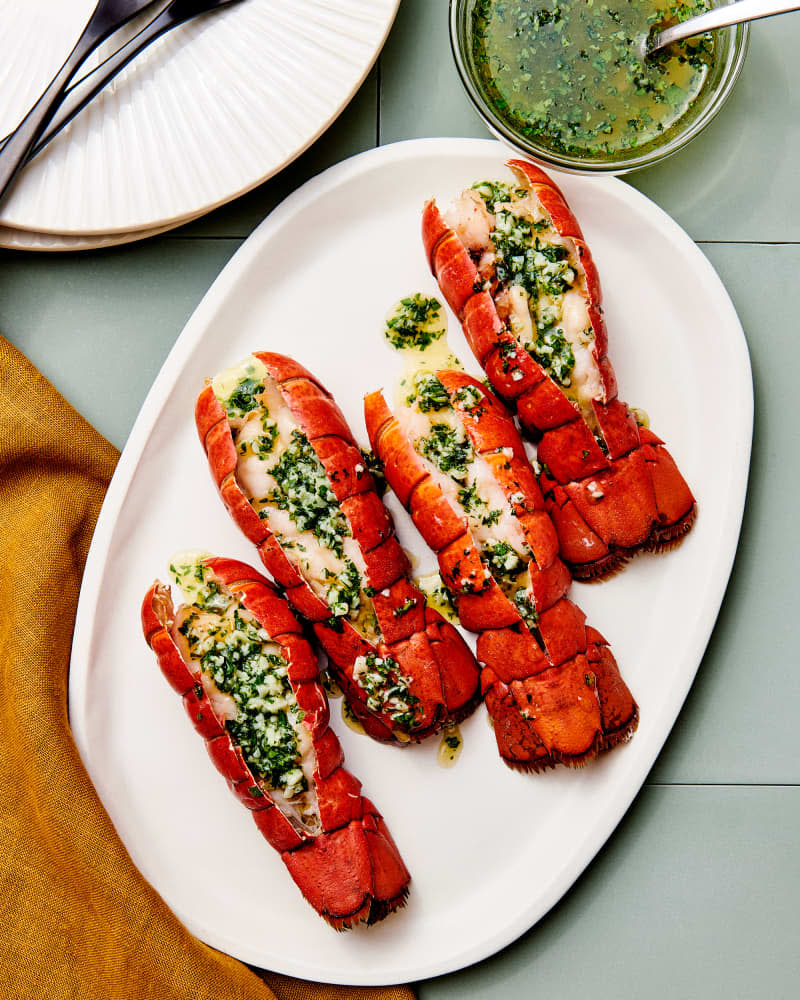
x,y
207,112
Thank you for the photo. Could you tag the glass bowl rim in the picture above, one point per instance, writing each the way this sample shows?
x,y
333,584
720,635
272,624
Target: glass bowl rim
x,y
571,164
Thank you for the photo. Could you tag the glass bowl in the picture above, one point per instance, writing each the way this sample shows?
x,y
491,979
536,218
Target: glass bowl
x,y
731,44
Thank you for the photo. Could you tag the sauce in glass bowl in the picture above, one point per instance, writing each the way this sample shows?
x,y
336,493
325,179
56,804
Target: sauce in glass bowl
x,y
568,77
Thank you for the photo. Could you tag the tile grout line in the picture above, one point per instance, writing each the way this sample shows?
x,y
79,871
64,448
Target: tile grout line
x,y
243,236
749,243
378,102
721,784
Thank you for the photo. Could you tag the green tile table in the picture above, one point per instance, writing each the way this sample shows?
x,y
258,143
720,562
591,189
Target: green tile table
x,y
696,894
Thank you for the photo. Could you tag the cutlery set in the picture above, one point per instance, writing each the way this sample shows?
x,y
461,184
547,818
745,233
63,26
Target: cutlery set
x,y
62,99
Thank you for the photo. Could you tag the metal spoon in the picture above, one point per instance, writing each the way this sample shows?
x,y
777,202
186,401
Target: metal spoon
x,y
719,17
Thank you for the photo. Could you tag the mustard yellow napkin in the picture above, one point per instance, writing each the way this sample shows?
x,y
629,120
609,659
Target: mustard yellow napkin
x,y
77,919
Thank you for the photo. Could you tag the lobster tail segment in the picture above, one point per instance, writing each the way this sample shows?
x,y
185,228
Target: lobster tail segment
x,y
455,460
352,875
294,480
248,679
514,266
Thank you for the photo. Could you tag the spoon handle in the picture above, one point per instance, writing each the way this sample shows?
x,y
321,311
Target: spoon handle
x,y
721,17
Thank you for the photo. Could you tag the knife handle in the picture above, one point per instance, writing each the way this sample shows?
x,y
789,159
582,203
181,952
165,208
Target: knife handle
x,y
107,16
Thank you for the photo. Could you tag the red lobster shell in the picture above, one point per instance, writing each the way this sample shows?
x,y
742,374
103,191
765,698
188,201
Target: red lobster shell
x,y
441,671
609,494
351,870
553,690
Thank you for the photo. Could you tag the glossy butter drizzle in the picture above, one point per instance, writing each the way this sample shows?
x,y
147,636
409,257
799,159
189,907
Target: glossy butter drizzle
x,y
450,746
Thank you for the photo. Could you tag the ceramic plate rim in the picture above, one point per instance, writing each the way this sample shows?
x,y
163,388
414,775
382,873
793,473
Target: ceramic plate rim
x,y
163,224
36,242
740,430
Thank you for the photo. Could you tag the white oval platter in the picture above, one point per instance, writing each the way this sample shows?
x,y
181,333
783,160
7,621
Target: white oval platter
x,y
490,850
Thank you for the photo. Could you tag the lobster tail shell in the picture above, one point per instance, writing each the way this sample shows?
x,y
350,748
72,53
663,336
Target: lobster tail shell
x,y
349,872
445,686
333,870
606,502
553,691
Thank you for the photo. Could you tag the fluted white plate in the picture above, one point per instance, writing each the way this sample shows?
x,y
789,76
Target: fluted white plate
x,y
206,113
490,850
27,239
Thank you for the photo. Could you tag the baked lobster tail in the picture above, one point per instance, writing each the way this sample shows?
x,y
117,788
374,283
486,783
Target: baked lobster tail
x,y
456,462
236,655
513,265
292,477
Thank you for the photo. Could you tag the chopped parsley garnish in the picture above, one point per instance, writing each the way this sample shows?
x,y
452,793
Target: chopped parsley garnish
x,y
524,603
343,594
507,349
244,398
492,192
428,393
402,609
469,397
195,579
554,353
448,449
502,558
302,489
260,446
238,656
544,272
470,499
387,688
438,596
523,259
411,324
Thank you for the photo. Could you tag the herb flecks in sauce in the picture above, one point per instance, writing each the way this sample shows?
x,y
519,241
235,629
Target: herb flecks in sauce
x,y
503,559
524,603
428,392
540,288
470,486
416,327
415,322
304,492
280,471
567,74
387,688
554,353
196,582
448,448
437,596
521,258
344,591
330,684
262,445
450,746
493,192
237,658
350,718
244,398
470,398
239,389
